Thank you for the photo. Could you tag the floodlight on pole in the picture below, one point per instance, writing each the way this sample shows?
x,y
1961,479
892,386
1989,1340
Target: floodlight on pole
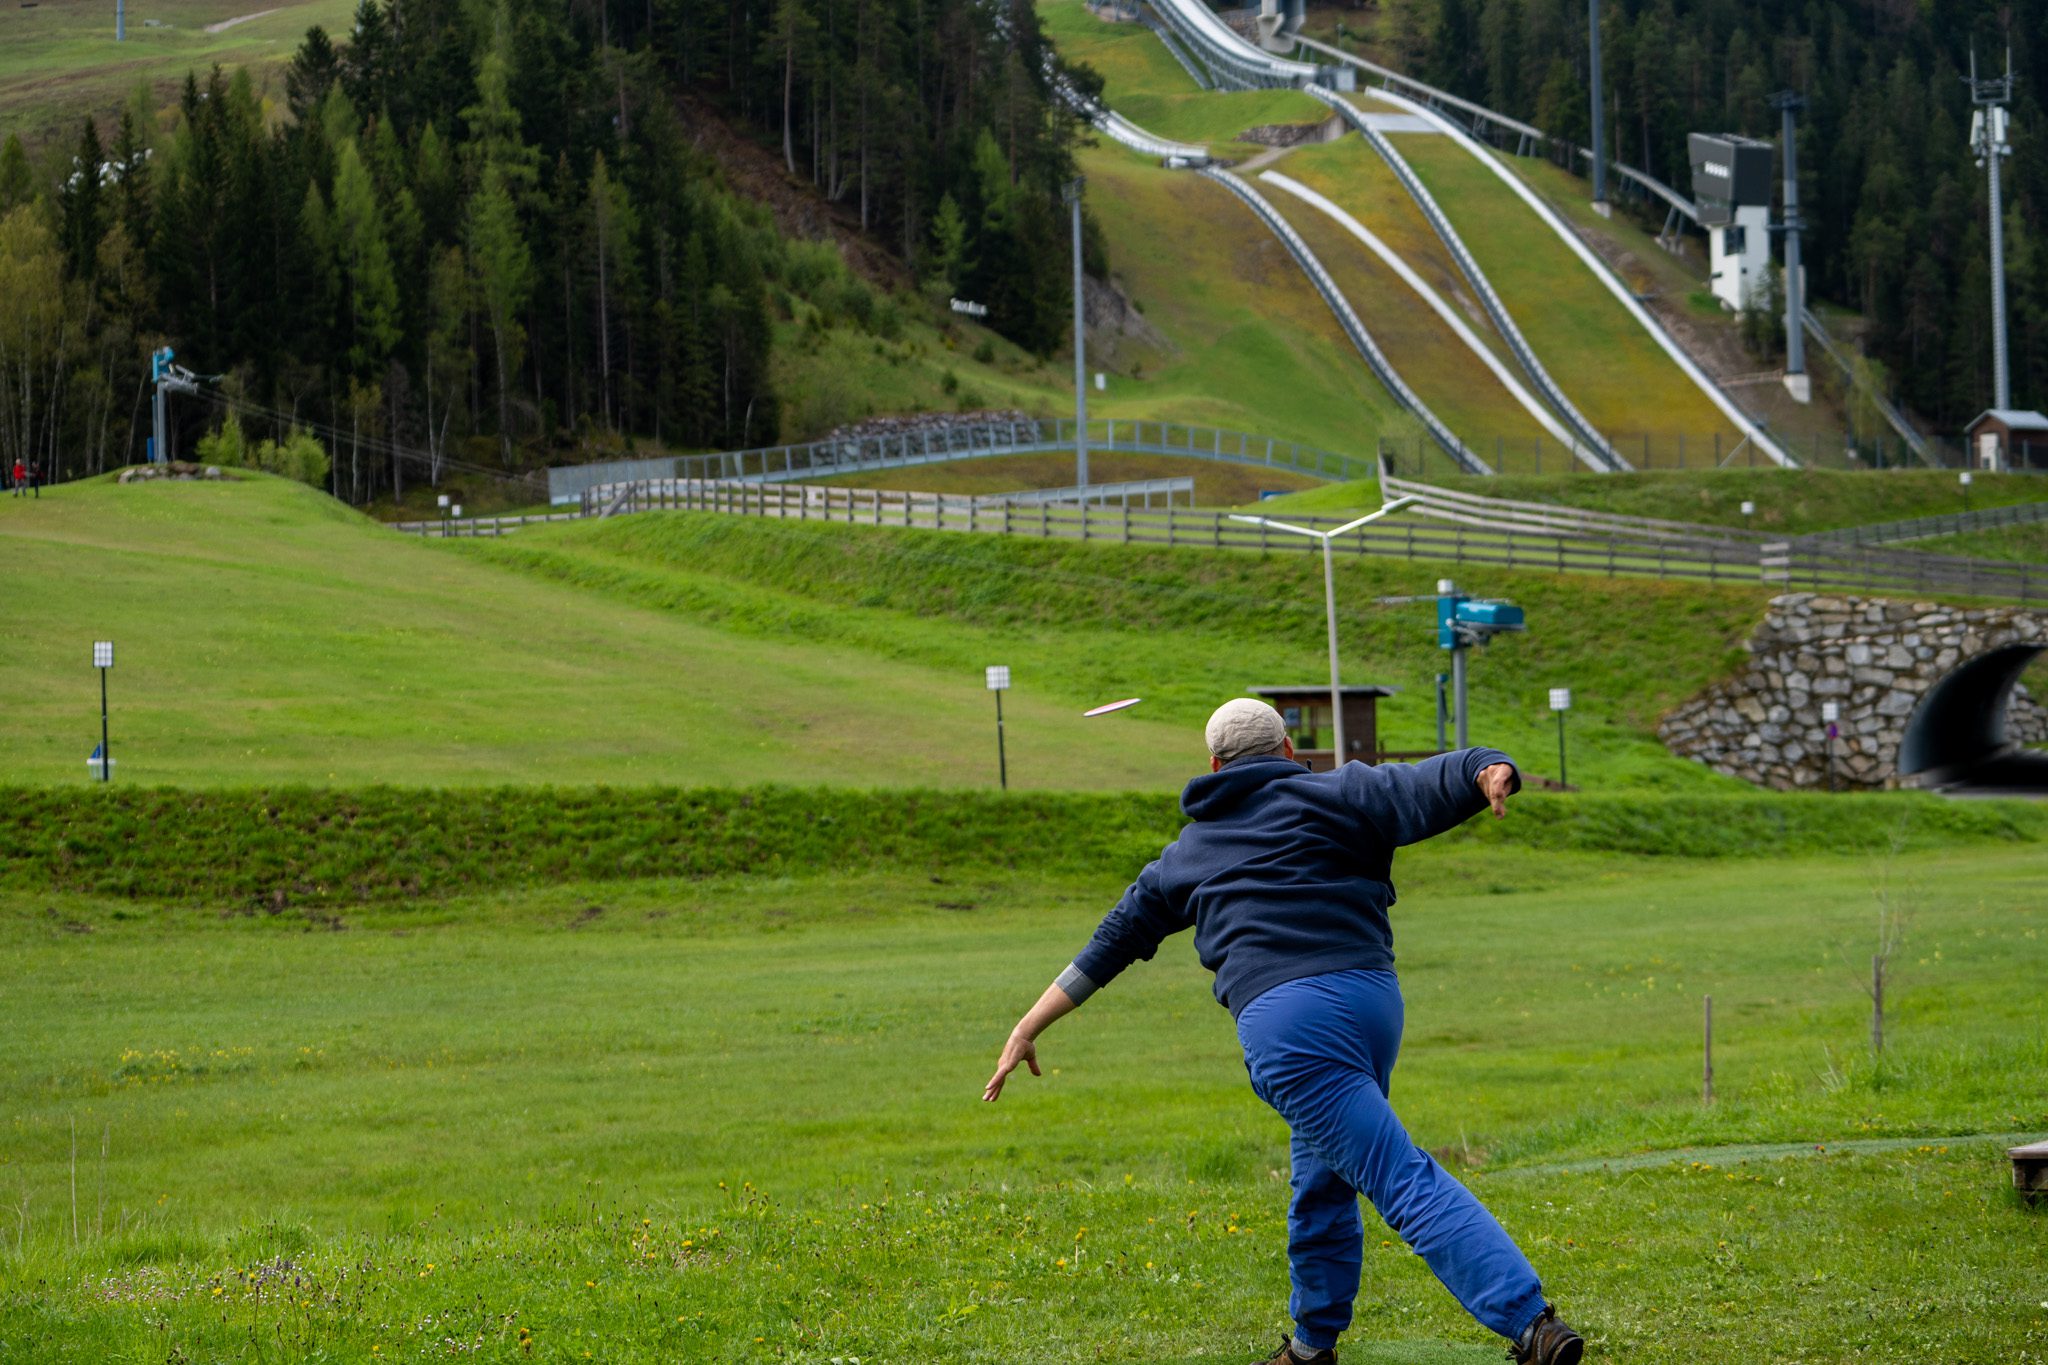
x,y
1071,191
103,659
1599,115
1340,754
997,678
1990,129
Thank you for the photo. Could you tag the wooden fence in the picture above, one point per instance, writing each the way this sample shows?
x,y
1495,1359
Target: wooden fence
x,y
1783,565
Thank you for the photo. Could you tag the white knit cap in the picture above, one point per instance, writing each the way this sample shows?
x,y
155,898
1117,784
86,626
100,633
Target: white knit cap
x,y
1242,726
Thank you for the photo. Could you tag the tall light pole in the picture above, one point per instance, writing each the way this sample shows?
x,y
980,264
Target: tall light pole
x,y
1340,754
1599,114
1789,103
1071,191
1988,129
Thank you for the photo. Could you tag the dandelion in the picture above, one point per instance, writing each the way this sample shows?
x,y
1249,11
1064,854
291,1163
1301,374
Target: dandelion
x,y
1061,1263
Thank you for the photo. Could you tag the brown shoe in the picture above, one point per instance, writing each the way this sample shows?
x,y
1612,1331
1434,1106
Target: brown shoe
x,y
1286,1356
1547,1341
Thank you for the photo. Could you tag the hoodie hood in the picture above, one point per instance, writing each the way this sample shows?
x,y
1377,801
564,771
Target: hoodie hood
x,y
1213,795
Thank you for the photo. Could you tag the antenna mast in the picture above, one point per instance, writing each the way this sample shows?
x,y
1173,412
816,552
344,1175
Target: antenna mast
x,y
1989,129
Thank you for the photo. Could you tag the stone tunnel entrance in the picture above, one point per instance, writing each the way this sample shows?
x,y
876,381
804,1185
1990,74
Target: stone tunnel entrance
x,y
1926,695
1958,737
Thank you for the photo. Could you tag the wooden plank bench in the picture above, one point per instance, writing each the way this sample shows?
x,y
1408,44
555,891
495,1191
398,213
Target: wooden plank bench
x,y
2030,1171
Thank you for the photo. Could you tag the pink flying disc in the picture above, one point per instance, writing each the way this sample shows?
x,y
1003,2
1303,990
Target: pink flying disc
x,y
1108,707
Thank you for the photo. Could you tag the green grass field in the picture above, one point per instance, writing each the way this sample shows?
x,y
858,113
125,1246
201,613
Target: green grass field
x,y
59,61
738,1119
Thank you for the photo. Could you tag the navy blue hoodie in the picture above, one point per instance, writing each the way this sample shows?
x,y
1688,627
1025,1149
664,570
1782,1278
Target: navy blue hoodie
x,y
1286,873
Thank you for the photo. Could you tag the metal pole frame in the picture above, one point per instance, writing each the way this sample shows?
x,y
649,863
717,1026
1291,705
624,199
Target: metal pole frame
x,y
1599,114
1562,779
1002,757
106,747
1072,192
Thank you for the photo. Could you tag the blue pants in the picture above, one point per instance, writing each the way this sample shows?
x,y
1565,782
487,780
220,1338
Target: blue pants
x,y
1321,1051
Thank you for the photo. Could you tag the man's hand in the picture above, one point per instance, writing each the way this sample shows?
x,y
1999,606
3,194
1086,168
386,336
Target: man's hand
x,y
1019,1051
1495,781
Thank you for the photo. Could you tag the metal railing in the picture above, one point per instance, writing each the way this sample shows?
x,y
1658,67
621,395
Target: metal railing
x,y
1119,129
1916,442
1503,322
1781,565
1179,53
478,526
963,441
1227,55
1347,318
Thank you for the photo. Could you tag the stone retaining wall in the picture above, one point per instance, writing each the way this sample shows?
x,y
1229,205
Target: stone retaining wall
x,y
1873,657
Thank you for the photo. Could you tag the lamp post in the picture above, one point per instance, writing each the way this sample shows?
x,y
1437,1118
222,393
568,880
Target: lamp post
x,y
455,512
103,659
1963,479
998,679
1341,754
1561,702
441,501
1071,192
1748,512
1599,114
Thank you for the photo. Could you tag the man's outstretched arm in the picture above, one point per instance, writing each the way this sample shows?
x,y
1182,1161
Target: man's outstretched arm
x,y
1129,933
1412,802
1022,1048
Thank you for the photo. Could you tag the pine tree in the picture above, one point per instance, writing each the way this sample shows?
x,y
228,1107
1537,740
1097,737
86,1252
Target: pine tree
x,y
501,268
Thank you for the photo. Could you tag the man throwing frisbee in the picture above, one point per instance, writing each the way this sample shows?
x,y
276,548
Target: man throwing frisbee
x,y
1286,877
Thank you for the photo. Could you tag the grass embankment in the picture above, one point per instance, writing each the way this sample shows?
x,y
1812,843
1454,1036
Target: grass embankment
x,y
1143,82
739,1119
1181,628
1603,359
1794,501
2028,543
264,633
308,850
1216,484
59,61
1451,381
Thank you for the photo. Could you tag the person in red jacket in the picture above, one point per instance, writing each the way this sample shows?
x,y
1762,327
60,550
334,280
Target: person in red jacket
x,y
20,477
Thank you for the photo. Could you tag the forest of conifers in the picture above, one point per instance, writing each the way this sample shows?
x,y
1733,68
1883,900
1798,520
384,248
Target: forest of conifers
x,y
486,234
1896,212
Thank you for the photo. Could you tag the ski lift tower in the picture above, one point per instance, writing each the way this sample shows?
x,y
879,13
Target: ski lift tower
x,y
169,378
1990,128
1788,103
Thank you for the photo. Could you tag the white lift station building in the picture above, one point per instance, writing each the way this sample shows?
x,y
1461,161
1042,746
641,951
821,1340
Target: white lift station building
x,y
1731,184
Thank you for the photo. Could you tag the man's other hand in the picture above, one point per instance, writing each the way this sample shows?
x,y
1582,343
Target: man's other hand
x,y
1019,1051
1495,781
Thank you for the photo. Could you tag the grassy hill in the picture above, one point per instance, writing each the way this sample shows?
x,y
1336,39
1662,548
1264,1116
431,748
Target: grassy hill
x,y
266,635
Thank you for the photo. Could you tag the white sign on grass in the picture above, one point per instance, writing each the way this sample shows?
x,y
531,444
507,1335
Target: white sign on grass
x,y
998,678
1560,699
